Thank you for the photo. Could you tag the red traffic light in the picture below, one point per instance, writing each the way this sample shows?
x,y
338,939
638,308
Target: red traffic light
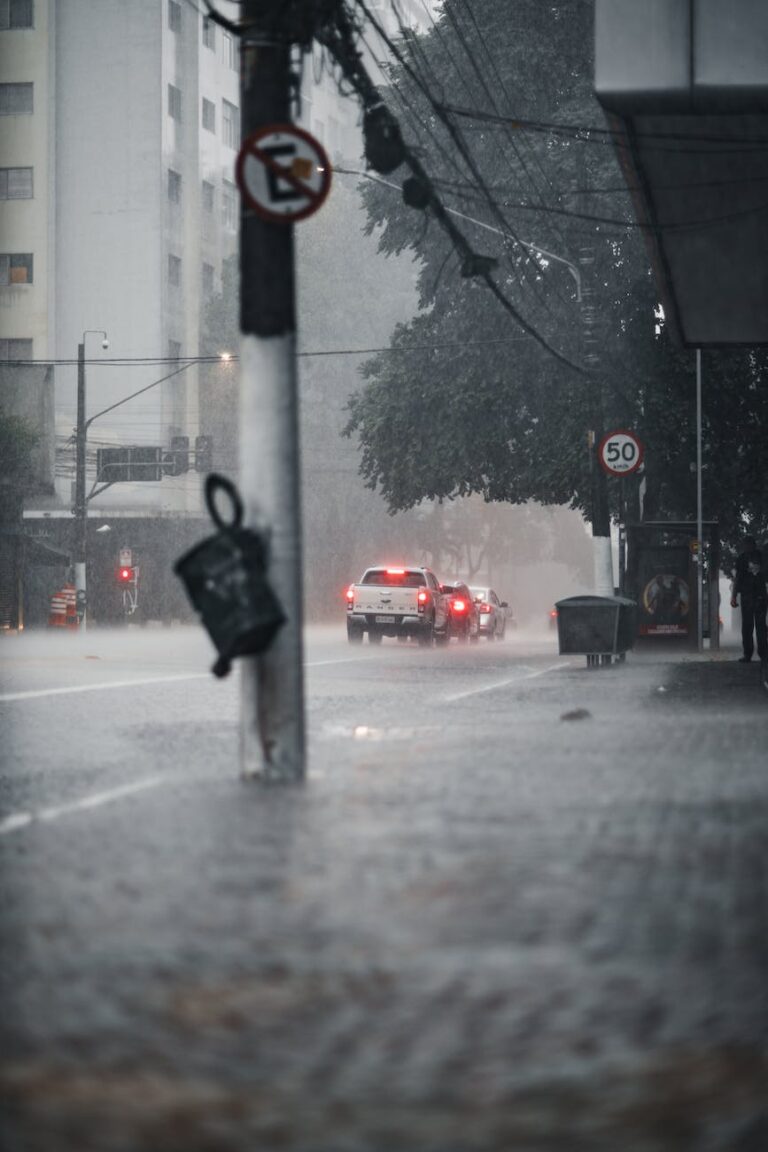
x,y
126,574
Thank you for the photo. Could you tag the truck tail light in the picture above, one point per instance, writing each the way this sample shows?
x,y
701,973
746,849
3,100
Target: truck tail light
x,y
459,605
350,597
422,599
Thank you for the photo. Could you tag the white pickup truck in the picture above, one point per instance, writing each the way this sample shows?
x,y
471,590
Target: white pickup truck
x,y
402,602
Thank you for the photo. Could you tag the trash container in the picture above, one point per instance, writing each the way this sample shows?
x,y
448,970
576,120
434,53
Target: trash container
x,y
598,627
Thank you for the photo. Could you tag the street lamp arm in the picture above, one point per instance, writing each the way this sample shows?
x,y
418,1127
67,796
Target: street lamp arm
x,y
146,388
529,247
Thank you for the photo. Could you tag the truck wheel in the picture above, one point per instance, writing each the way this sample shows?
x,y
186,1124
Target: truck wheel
x,y
475,639
354,634
442,638
374,637
426,636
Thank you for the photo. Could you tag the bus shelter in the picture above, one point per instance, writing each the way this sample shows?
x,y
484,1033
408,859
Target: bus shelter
x,y
662,575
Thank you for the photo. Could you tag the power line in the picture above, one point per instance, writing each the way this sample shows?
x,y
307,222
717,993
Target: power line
x,y
610,137
415,43
475,265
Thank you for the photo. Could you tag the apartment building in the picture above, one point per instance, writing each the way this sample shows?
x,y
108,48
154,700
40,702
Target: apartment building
x,y
119,128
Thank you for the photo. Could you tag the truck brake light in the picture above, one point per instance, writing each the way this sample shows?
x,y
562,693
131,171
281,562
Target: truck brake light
x,y
458,606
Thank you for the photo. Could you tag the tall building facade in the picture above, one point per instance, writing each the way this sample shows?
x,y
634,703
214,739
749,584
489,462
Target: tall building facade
x,y
119,127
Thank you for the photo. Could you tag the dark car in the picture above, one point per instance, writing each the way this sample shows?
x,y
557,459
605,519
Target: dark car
x,y
492,613
463,616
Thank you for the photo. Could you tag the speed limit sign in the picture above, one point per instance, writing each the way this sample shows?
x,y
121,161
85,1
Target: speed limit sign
x,y
620,453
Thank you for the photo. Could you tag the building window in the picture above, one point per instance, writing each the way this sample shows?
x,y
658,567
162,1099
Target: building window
x,y
207,196
209,33
15,183
174,186
16,99
209,115
230,124
208,279
15,349
228,205
174,271
174,350
15,14
15,268
229,51
174,16
174,102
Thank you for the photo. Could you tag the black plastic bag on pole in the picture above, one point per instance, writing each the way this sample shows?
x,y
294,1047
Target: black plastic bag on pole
x,y
225,579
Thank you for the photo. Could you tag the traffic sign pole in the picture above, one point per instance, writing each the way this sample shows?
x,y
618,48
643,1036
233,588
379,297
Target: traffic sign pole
x,y
272,737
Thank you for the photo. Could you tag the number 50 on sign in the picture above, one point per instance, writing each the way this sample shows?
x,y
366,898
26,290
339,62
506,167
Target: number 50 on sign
x,y
620,453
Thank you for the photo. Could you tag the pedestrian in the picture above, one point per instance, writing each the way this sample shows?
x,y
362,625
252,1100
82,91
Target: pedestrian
x,y
751,586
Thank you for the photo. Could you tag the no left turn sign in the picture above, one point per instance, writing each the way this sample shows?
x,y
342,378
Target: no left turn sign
x,y
283,173
620,453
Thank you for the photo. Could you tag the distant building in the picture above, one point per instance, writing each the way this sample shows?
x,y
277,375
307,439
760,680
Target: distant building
x,y
119,127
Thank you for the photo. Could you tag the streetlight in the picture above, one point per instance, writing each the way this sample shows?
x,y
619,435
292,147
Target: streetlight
x,y
81,504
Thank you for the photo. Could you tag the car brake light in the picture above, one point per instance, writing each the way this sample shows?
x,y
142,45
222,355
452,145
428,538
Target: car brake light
x,y
553,613
459,606
485,609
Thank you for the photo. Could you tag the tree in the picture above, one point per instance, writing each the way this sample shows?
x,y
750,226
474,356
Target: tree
x,y
523,436
17,439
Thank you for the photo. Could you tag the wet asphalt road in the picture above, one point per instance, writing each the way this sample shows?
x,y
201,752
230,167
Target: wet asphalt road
x,y
516,905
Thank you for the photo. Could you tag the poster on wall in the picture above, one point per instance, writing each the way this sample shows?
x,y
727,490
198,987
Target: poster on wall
x,y
665,595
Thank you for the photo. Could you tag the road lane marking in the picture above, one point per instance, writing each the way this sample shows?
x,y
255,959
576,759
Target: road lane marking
x,y
344,660
22,819
39,693
504,683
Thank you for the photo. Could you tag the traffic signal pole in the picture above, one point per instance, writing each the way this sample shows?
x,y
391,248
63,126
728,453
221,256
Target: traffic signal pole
x,y
272,736
81,506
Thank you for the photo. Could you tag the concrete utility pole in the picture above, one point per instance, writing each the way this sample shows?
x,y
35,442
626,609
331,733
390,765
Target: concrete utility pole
x,y
81,500
713,616
601,517
272,739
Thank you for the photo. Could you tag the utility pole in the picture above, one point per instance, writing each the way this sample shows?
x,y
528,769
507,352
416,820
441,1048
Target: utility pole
x,y
81,507
272,738
81,500
601,515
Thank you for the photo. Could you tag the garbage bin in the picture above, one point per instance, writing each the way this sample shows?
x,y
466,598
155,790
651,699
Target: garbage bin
x,y
598,627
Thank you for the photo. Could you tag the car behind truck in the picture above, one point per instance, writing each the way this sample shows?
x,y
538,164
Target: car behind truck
x,y
405,603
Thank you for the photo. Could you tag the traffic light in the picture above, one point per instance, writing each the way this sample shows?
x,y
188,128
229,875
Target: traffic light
x,y
203,453
177,460
127,574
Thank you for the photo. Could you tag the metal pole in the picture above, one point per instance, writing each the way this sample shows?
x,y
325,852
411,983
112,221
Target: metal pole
x,y
699,516
272,739
81,508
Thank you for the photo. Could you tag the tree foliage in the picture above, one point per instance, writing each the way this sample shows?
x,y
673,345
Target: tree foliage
x,y
465,402
17,439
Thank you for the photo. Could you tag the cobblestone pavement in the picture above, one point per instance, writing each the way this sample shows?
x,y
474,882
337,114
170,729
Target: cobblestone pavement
x,y
538,924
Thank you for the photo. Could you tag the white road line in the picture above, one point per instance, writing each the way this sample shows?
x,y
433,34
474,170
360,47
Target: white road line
x,y
41,693
22,819
36,695
344,660
504,683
